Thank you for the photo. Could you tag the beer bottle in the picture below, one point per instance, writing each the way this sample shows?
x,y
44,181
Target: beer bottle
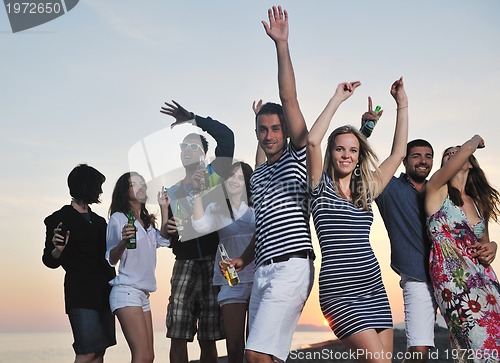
x,y
180,218
369,125
229,272
205,180
132,242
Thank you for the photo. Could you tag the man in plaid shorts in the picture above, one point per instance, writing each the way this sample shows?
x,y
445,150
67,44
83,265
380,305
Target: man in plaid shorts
x,y
192,307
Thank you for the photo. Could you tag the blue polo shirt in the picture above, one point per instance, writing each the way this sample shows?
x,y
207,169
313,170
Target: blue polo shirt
x,y
402,209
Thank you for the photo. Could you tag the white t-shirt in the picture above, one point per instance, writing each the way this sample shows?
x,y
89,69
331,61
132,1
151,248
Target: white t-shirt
x,y
234,235
137,266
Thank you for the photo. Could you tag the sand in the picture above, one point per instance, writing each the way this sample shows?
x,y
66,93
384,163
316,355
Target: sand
x,y
334,351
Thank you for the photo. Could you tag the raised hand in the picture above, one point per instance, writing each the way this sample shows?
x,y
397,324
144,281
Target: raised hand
x,y
370,114
256,106
163,198
480,140
277,29
399,93
345,90
178,112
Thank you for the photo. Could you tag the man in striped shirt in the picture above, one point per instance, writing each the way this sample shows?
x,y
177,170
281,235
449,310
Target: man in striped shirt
x,y
282,247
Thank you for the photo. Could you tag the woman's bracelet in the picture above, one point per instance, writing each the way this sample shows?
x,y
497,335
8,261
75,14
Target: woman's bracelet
x,y
401,108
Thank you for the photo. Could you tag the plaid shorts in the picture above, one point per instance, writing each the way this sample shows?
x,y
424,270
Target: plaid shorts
x,y
192,305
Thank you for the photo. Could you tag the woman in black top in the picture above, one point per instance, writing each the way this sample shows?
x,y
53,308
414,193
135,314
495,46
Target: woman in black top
x,y
76,240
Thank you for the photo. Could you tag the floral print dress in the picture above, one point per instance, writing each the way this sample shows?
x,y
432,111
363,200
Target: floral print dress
x,y
467,293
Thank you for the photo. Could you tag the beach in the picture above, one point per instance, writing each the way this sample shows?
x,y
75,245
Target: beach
x,y
334,351
55,347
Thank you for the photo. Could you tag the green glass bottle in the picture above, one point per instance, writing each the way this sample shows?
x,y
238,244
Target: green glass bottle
x,y
205,180
180,219
132,242
369,125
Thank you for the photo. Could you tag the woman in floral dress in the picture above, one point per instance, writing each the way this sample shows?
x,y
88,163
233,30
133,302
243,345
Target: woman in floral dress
x,y
459,203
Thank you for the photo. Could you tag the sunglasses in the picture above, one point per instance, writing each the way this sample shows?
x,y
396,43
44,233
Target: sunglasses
x,y
192,147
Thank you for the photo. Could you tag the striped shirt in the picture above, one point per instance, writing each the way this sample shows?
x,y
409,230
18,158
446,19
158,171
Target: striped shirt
x,y
280,196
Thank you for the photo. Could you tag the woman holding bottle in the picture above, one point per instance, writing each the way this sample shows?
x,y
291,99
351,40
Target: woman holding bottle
x,y
129,298
352,295
234,219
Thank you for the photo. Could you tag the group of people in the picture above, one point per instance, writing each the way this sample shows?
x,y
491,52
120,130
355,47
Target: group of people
x,y
438,229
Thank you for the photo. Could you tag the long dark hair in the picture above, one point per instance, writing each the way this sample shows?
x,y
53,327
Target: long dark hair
x,y
247,173
120,201
477,187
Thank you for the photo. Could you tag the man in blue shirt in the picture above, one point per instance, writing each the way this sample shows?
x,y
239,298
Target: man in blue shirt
x,y
401,205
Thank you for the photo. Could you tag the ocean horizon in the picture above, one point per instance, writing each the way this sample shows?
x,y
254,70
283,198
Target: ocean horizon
x,y
55,347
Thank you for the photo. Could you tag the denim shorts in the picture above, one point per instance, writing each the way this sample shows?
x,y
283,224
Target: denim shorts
x,y
238,294
93,331
122,296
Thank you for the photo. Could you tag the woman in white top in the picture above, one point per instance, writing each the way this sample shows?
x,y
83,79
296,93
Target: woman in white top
x,y
129,297
234,219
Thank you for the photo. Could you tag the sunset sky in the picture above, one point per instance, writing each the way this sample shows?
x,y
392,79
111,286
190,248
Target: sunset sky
x,y
88,86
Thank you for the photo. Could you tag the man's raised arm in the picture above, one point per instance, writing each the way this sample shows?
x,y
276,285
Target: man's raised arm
x,y
277,30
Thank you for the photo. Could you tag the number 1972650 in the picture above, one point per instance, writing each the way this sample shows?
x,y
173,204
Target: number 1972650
x,y
471,354
33,8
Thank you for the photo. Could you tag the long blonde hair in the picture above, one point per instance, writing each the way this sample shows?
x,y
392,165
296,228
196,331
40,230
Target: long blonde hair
x,y
363,186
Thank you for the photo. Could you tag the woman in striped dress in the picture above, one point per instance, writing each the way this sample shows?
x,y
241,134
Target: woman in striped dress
x,y
352,295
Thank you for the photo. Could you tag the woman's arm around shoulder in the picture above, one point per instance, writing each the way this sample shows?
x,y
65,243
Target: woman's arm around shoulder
x,y
486,250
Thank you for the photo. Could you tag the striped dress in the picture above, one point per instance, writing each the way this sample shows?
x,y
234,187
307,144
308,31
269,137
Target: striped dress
x,y
351,293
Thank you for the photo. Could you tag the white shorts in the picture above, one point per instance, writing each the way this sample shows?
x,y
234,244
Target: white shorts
x,y
122,296
420,312
238,294
279,293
